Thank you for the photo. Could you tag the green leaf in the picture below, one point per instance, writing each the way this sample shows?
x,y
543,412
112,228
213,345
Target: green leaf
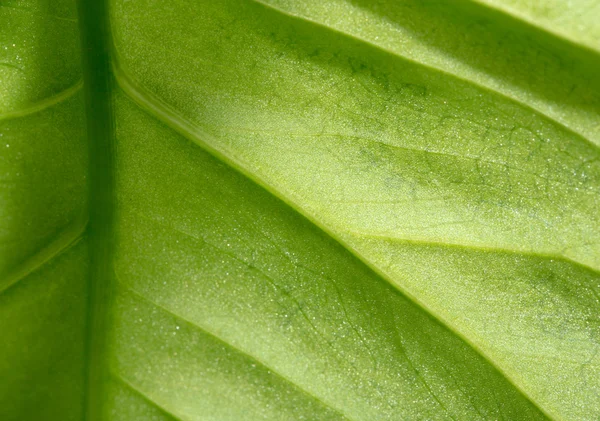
x,y
343,210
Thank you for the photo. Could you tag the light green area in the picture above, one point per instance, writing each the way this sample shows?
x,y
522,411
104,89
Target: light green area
x,y
479,45
232,306
343,210
477,205
576,20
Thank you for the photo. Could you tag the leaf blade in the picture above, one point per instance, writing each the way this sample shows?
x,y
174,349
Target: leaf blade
x,y
305,169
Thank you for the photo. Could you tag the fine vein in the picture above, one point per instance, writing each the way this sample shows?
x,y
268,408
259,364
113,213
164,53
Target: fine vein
x,y
446,72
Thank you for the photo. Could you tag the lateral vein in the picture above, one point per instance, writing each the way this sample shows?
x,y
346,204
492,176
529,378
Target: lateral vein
x,y
69,236
235,348
144,395
515,14
441,70
545,256
44,103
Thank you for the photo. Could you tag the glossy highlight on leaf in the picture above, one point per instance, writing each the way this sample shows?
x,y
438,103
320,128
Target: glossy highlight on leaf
x,y
299,210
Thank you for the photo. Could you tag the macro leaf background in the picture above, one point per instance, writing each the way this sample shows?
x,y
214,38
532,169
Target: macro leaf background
x,y
292,209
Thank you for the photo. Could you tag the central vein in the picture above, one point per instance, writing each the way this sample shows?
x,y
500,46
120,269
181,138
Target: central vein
x,y
95,46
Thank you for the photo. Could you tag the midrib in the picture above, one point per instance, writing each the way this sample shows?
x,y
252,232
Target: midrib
x,y
93,18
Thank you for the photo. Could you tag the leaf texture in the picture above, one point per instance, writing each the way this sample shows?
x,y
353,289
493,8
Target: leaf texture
x,y
345,210
43,196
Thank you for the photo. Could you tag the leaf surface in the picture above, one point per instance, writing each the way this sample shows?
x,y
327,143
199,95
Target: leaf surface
x,y
43,195
347,210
